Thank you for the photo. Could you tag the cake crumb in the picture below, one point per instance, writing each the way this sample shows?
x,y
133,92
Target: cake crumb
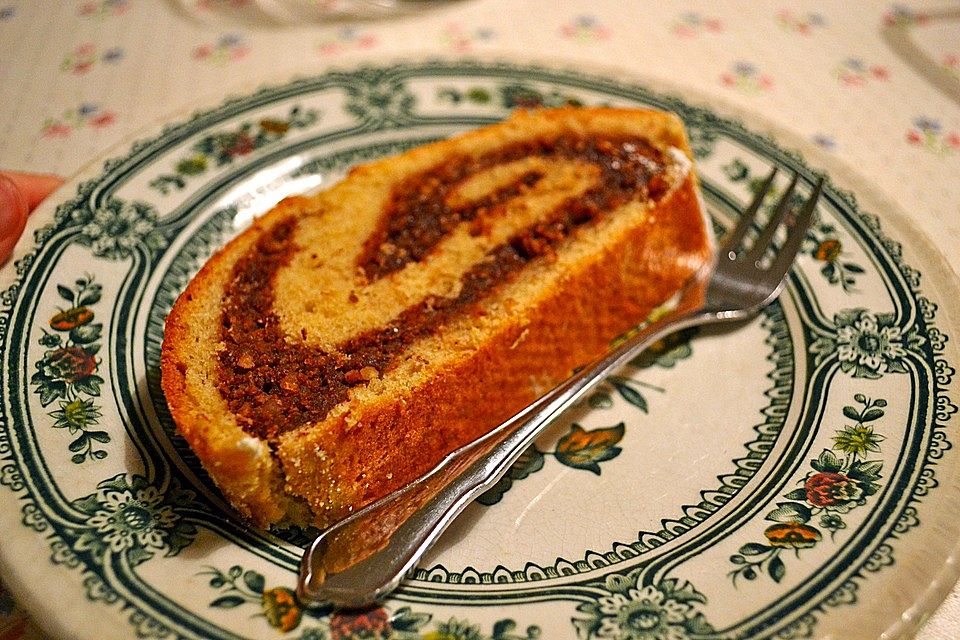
x,y
366,374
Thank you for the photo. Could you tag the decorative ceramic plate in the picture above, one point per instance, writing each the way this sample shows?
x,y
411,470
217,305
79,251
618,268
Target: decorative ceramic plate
x,y
787,478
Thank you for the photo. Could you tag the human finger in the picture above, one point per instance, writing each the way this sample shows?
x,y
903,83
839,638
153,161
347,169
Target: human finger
x,y
20,193
34,186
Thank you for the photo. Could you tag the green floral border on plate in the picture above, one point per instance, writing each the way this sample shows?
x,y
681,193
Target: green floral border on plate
x,y
84,534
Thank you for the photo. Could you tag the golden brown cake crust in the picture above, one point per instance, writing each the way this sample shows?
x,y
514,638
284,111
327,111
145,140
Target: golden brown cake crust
x,y
453,384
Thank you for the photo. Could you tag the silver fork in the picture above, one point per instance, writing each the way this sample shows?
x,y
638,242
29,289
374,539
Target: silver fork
x,y
365,556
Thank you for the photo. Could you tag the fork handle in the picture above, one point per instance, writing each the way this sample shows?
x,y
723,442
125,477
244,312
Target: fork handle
x,y
364,557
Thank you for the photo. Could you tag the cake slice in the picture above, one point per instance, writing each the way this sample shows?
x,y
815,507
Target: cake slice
x,y
343,344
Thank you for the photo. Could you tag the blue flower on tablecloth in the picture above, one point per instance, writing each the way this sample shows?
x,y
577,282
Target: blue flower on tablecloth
x,y
85,57
866,344
824,141
802,24
7,13
113,54
855,64
345,39
746,76
227,48
88,115
462,39
230,39
691,24
117,227
856,72
131,516
929,134
585,29
927,125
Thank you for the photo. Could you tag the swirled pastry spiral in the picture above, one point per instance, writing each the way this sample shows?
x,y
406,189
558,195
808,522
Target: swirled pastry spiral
x,y
344,343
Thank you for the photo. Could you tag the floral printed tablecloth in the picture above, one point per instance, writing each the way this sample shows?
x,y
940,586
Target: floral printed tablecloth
x,y
876,85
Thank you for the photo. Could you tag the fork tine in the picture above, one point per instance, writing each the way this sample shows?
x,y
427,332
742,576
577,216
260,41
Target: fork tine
x,y
795,234
733,238
765,239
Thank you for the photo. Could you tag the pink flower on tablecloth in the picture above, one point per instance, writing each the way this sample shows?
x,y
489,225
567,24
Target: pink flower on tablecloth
x,y
854,72
56,130
802,24
746,77
227,48
346,39
103,8
103,120
85,56
86,115
951,62
585,29
930,135
692,24
462,40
